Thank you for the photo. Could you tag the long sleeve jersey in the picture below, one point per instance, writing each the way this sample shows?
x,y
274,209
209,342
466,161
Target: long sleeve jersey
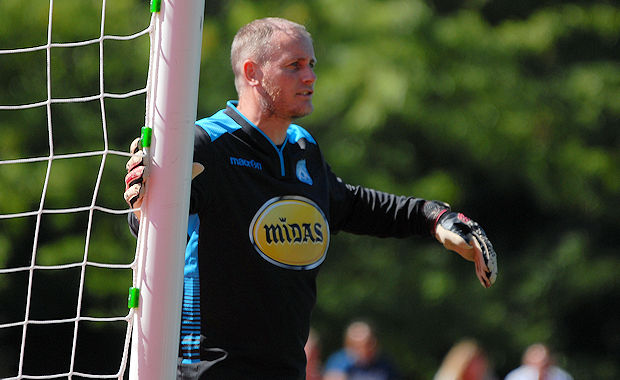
x,y
261,218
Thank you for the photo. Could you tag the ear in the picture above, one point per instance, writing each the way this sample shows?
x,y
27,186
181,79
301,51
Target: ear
x,y
252,72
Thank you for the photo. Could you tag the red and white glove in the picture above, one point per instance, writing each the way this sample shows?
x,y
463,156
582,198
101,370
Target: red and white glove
x,y
137,175
462,235
135,180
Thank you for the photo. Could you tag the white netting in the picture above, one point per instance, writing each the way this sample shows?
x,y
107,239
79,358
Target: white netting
x,y
26,350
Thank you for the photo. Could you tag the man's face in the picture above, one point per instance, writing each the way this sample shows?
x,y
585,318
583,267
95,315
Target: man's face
x,y
288,77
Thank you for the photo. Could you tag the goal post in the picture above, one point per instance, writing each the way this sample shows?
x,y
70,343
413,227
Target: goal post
x,y
171,113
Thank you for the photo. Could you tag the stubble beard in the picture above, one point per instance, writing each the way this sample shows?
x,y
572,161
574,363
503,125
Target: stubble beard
x,y
272,105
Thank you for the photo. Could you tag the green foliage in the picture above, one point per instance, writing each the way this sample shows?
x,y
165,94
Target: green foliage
x,y
508,111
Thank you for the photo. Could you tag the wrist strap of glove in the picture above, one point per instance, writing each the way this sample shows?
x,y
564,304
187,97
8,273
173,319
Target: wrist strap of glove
x,y
433,210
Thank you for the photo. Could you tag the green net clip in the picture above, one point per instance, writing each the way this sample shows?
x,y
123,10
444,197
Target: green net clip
x,y
155,6
134,296
147,132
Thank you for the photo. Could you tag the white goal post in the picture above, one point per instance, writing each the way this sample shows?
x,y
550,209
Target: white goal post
x,y
174,73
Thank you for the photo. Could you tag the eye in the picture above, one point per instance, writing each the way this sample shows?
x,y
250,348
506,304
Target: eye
x,y
298,65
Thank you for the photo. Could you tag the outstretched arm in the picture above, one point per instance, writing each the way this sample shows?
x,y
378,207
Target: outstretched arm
x,y
362,210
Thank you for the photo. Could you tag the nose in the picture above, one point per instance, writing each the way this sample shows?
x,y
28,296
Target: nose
x,y
309,77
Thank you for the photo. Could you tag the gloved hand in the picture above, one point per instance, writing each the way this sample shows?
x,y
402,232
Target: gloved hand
x,y
462,235
135,180
137,174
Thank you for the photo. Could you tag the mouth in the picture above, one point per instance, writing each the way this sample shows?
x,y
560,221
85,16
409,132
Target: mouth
x,y
306,93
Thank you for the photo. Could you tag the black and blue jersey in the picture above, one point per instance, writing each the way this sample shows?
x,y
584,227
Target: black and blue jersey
x,y
261,218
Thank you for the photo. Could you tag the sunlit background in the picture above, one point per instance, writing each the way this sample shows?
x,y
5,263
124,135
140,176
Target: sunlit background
x,y
509,111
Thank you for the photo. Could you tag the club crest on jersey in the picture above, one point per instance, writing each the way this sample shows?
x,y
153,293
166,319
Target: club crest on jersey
x,y
302,172
290,232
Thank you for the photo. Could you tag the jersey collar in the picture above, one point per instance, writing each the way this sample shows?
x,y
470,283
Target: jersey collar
x,y
250,128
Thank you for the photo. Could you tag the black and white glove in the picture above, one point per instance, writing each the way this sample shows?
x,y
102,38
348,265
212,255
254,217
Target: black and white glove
x,y
462,235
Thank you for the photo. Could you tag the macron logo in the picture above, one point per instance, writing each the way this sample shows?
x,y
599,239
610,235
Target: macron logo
x,y
247,163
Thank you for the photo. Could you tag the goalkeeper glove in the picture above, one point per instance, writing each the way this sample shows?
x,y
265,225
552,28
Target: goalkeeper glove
x,y
462,235
135,180
137,173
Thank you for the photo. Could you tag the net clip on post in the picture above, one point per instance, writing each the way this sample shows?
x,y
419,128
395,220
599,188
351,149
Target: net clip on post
x,y
145,141
146,134
155,6
134,297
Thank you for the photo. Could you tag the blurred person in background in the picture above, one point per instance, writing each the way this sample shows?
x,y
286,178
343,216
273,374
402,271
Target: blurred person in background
x,y
465,361
538,364
360,358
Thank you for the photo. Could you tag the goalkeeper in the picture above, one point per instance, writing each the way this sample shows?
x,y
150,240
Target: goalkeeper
x,y
263,206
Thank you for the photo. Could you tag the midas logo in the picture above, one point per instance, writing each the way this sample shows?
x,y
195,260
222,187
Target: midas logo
x,y
290,232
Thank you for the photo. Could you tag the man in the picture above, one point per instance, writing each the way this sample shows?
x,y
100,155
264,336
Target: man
x,y
538,364
263,206
360,358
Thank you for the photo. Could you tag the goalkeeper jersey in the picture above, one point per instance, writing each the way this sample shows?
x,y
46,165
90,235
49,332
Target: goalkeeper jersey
x,y
261,218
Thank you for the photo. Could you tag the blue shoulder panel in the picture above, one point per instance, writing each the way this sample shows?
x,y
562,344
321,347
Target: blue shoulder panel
x,y
218,124
295,133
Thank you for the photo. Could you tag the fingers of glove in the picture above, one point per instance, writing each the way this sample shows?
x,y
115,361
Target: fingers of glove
x,y
135,180
135,176
133,162
479,253
136,159
488,255
135,145
481,268
480,273
456,241
473,252
134,195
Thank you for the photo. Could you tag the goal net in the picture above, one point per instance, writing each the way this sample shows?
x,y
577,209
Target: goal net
x,y
67,258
